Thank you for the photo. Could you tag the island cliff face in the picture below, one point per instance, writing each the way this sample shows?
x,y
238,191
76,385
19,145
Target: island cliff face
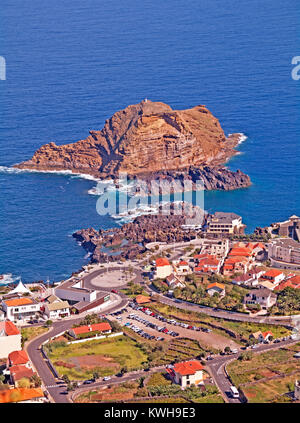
x,y
146,138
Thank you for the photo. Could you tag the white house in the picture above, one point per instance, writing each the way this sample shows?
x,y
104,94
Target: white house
x,y
163,268
274,276
23,308
264,297
10,338
55,308
187,373
181,267
174,281
216,288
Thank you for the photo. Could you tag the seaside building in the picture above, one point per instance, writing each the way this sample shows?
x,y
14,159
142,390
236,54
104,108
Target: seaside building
x,y
290,228
23,308
55,308
284,253
222,223
80,298
10,338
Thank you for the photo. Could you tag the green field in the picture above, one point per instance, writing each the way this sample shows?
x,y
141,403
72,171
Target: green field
x,y
32,332
105,356
267,375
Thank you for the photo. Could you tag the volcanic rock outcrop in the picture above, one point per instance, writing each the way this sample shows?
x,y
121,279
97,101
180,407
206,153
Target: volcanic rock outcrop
x,y
129,240
147,138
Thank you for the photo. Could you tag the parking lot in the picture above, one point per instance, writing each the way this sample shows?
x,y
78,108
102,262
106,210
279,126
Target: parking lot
x,y
144,321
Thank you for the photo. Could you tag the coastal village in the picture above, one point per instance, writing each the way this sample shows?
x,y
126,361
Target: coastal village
x,y
199,319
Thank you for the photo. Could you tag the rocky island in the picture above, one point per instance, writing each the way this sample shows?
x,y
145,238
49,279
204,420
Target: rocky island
x,y
150,140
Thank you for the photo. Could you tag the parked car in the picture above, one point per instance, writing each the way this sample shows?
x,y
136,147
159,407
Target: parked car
x,y
88,381
106,378
114,291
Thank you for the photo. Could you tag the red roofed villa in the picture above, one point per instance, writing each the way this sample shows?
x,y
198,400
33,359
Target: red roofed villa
x,y
187,373
163,268
97,327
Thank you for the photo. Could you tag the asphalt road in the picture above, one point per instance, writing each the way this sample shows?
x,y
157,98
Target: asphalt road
x,y
58,392
217,366
39,362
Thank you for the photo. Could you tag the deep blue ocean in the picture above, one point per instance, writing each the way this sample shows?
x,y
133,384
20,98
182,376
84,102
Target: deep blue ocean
x,y
72,64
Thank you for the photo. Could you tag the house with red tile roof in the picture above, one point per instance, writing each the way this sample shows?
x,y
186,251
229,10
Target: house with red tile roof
x,y
163,268
10,338
22,395
240,252
181,267
97,327
18,357
274,276
23,308
293,282
187,373
238,264
19,372
216,288
208,265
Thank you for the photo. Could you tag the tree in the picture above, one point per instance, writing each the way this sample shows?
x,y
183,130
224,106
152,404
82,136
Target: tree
x,y
36,381
95,375
66,379
48,323
124,370
227,350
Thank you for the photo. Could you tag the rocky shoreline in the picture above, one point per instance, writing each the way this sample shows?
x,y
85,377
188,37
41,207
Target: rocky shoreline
x,y
128,241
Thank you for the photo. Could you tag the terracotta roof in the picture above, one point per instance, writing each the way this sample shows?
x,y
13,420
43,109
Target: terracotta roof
x,y
188,367
292,283
183,263
272,273
141,299
19,371
20,394
10,328
101,327
236,259
162,262
265,334
242,252
18,357
216,285
18,302
204,256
